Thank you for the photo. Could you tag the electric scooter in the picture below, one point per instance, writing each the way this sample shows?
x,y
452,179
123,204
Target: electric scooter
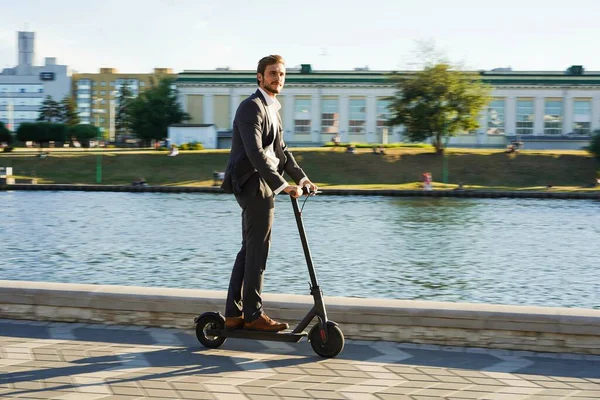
x,y
325,337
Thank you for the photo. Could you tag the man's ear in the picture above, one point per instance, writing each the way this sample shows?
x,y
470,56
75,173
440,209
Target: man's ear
x,y
259,77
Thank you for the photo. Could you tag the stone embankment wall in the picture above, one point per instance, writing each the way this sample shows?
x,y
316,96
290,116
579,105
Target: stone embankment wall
x,y
542,329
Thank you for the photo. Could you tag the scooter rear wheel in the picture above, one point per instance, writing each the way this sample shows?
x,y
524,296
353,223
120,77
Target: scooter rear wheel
x,y
334,344
209,322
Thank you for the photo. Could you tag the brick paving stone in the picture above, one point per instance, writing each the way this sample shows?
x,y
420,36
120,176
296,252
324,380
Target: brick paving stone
x,y
451,386
161,393
108,363
504,396
324,394
195,395
290,392
229,396
451,379
417,397
384,396
557,392
485,381
439,393
554,385
256,390
592,393
126,390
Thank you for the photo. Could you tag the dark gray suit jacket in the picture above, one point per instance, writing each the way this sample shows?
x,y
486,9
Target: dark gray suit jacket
x,y
253,131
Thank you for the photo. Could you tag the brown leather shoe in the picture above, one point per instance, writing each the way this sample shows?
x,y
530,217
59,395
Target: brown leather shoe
x,y
264,323
234,322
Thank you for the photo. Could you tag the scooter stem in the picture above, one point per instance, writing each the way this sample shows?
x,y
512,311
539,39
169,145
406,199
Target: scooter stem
x,y
305,247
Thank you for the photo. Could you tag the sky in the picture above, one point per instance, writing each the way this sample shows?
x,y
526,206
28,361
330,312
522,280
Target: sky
x,y
139,35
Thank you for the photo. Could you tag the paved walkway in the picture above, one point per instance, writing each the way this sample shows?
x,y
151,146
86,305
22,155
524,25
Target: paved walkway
x,y
89,362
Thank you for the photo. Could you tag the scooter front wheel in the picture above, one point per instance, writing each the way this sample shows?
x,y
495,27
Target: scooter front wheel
x,y
210,322
334,344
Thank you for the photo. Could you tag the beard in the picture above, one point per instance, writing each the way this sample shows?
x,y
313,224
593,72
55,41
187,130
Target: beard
x,y
273,88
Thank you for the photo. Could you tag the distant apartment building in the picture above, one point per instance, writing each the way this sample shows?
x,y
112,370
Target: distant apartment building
x,y
24,87
544,109
96,94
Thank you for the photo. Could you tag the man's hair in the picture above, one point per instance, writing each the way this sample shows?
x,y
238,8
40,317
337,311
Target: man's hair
x,y
265,62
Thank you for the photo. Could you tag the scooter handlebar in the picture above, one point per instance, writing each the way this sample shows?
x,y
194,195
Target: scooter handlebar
x,y
307,191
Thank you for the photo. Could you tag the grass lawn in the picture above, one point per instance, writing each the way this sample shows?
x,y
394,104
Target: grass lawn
x,y
399,168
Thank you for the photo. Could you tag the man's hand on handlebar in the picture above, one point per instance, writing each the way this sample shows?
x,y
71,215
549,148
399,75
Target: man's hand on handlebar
x,y
293,190
310,188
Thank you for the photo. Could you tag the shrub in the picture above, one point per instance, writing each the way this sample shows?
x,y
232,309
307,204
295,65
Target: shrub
x,y
83,132
5,135
594,146
191,146
387,146
42,132
8,149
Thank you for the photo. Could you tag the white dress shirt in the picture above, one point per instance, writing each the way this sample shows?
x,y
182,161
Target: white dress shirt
x,y
273,107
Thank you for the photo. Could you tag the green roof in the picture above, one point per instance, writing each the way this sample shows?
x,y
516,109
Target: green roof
x,y
383,78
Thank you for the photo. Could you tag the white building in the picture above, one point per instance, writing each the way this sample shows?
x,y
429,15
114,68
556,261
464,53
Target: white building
x,y
543,109
24,87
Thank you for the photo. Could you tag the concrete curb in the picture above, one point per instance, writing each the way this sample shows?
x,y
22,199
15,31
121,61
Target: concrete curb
x,y
543,329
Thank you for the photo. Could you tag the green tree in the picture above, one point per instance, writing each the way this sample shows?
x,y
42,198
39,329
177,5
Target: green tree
x,y
122,118
50,111
594,147
5,135
42,132
154,110
438,102
83,133
68,112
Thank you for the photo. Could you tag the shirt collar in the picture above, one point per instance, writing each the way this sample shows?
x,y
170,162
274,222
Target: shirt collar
x,y
271,101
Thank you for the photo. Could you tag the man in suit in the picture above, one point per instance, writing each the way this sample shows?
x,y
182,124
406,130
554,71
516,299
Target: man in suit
x,y
254,173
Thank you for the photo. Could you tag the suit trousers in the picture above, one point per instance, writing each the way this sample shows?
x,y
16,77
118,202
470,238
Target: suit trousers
x,y
245,285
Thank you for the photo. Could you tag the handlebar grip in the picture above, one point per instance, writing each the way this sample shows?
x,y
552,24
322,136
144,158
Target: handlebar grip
x,y
306,191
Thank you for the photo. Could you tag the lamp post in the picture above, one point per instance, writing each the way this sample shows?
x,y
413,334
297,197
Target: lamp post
x,y
111,116
446,140
98,156
445,162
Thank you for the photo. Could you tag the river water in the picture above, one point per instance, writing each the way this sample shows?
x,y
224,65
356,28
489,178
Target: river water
x,y
503,251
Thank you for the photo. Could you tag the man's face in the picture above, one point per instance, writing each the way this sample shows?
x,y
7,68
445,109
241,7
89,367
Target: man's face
x,y
273,79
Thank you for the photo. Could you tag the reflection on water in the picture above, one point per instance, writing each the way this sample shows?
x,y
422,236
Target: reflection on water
x,y
509,251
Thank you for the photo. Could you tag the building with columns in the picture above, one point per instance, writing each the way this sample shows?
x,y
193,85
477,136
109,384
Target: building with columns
x,y
553,110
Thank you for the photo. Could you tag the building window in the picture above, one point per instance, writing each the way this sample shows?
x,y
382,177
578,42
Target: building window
x,y
495,125
358,113
102,83
553,112
582,118
302,115
383,115
525,117
330,116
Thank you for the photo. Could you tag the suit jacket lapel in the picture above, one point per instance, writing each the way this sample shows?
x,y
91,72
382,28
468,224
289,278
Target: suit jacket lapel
x,y
266,111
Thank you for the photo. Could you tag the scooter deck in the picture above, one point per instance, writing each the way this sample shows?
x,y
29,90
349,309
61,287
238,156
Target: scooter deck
x,y
283,336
